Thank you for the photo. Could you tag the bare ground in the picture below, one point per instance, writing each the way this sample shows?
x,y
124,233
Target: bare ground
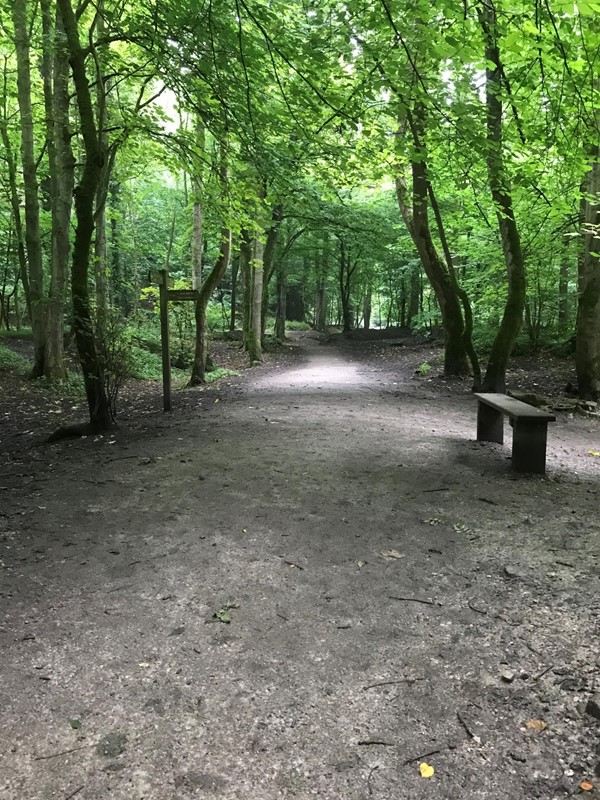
x,y
396,595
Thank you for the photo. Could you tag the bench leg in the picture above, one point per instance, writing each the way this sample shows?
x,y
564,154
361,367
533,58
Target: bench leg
x,y
490,424
529,446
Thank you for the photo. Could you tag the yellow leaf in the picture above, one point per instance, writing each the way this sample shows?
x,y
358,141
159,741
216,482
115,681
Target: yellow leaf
x,y
586,786
536,725
217,400
426,770
593,453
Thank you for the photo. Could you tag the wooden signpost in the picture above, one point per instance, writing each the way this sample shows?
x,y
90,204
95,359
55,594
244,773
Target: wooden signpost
x,y
161,277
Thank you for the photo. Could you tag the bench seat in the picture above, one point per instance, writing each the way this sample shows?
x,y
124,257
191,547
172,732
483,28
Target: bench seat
x,y
530,428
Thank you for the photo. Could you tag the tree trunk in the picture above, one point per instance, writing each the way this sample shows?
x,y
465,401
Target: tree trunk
x,y
269,260
587,351
32,209
255,333
198,215
280,315
62,167
85,195
495,376
563,290
235,268
248,283
208,286
367,307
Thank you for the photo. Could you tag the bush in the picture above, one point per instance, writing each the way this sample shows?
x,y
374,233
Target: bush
x,y
295,325
13,362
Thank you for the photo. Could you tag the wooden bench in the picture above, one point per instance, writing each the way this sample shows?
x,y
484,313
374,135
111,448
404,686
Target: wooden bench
x,y
529,424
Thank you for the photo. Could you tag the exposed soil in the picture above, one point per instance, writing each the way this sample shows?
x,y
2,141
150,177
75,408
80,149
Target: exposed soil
x,y
305,582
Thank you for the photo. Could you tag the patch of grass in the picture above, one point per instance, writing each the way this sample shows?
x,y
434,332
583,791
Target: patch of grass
x,y
219,372
13,362
147,366
13,333
294,325
424,368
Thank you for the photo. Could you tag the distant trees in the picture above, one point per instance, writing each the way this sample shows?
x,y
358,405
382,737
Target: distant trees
x,y
267,159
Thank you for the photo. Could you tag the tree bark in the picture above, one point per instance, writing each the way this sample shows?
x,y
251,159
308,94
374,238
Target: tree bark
x,y
587,350
416,219
255,333
495,376
197,214
563,289
209,284
32,210
62,169
280,315
269,260
85,194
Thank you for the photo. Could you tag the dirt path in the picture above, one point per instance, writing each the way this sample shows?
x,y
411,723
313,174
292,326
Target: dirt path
x,y
305,499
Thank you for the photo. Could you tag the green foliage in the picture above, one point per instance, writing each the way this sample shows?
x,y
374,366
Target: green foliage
x,y
295,325
216,373
10,361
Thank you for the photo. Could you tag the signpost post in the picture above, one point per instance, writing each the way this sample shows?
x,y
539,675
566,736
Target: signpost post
x,y
161,277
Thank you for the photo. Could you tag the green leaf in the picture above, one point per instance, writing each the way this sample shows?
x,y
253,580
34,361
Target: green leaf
x,y
75,724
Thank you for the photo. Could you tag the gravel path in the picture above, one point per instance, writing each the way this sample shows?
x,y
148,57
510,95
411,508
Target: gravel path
x,y
306,589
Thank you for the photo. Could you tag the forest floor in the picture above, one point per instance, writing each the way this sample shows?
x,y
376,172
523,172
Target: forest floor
x,y
306,581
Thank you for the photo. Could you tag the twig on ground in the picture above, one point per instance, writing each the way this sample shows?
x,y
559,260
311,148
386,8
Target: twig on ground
x,y
369,742
69,796
62,753
565,564
369,779
413,600
292,564
390,683
468,730
422,755
474,608
441,489
543,672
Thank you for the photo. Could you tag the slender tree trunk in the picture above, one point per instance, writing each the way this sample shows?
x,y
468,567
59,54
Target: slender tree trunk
x,y
495,376
248,283
62,166
16,210
587,354
281,300
85,195
198,212
270,250
32,209
563,289
235,268
210,283
255,333
367,307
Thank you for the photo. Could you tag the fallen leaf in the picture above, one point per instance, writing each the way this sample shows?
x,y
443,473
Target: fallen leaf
x,y
75,724
360,564
586,786
592,453
144,664
391,554
536,725
426,770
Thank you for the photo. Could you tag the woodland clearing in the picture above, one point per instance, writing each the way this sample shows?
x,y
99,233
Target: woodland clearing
x,y
305,582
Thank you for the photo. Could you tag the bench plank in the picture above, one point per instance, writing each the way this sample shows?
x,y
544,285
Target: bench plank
x,y
514,408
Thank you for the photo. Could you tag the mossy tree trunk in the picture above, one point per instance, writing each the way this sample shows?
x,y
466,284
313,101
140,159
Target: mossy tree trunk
x,y
209,284
495,376
85,195
33,241
587,353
